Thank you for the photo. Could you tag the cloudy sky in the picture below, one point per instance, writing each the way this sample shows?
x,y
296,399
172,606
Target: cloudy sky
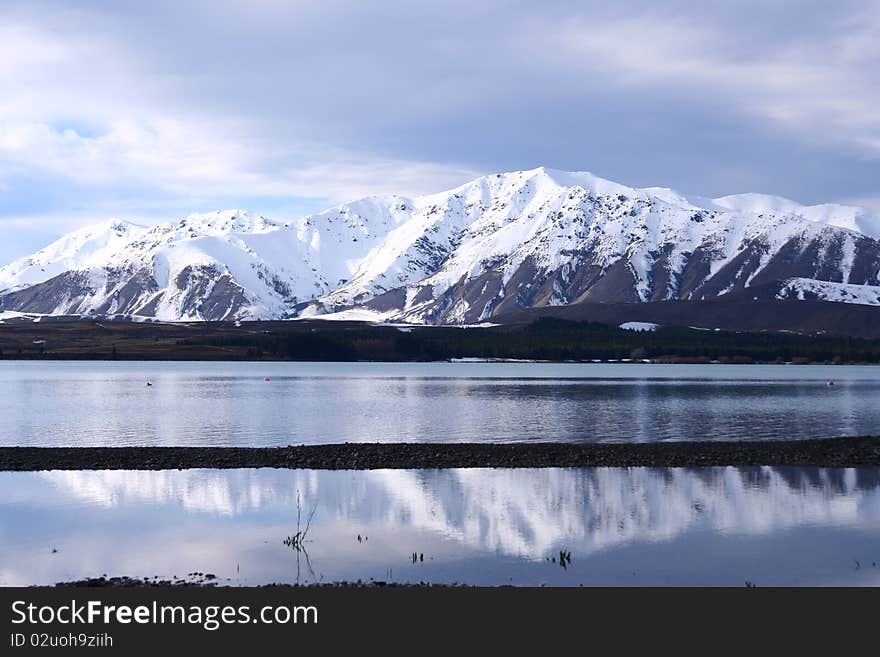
x,y
151,110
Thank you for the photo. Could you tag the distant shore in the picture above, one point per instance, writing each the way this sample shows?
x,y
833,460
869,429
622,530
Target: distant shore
x,y
829,452
543,340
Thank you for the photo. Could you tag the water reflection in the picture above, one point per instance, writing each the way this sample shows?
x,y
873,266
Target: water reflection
x,y
230,403
620,526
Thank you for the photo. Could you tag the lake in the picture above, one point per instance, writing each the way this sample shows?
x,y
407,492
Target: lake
x,y
109,403
622,526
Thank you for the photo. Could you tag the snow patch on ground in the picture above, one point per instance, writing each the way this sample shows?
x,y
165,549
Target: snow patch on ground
x,y
350,315
639,326
11,315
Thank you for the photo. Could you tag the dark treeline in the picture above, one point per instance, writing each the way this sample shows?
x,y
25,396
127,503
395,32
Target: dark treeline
x,y
545,339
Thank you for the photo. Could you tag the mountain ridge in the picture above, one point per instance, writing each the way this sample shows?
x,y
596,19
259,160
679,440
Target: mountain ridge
x,y
502,242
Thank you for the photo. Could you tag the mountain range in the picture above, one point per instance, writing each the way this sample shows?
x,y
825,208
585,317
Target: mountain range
x,y
507,242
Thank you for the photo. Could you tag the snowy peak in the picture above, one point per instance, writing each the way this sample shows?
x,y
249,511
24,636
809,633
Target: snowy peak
x,y
534,238
758,204
541,178
90,246
224,222
849,217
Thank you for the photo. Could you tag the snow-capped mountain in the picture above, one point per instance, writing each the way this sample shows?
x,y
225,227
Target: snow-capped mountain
x,y
505,241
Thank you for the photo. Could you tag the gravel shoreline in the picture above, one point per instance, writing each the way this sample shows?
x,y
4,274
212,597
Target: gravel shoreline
x,y
827,452
212,582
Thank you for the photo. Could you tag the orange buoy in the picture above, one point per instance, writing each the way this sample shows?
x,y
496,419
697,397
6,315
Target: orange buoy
x,y
267,379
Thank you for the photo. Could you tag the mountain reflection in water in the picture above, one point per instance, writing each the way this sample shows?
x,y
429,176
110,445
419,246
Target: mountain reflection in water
x,y
621,525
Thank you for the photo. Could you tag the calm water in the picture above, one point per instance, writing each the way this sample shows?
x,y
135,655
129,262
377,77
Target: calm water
x,y
106,403
622,526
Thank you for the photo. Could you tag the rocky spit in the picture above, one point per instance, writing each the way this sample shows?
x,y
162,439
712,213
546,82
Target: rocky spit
x,y
831,452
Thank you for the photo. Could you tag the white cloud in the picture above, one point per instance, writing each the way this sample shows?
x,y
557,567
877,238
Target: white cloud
x,y
142,111
183,159
819,89
143,131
